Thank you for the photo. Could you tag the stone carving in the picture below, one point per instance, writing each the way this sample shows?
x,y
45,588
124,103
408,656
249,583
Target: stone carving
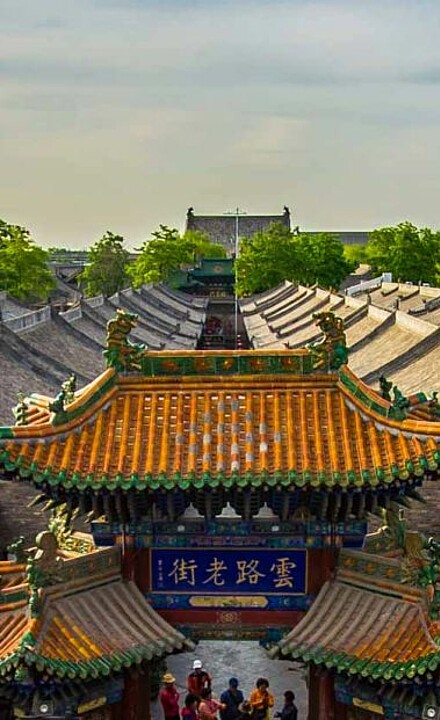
x,y
331,352
120,352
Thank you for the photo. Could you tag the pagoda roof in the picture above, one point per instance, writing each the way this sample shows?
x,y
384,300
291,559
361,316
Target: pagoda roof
x,y
222,418
90,623
367,623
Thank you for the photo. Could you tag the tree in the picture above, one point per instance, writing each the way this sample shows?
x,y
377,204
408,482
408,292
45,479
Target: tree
x,y
270,256
24,270
107,271
321,260
356,254
406,251
169,251
266,259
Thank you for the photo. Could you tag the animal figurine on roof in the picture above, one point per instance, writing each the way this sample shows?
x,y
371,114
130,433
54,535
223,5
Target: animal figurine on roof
x,y
120,352
331,352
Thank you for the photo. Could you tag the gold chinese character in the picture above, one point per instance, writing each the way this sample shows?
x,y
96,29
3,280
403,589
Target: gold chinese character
x,y
184,571
248,572
216,567
283,567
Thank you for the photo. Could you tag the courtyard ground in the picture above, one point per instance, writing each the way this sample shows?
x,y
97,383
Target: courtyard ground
x,y
244,660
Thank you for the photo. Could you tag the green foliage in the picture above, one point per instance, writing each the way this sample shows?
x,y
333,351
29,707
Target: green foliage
x,y
169,251
321,260
107,271
24,272
356,254
269,257
265,260
410,253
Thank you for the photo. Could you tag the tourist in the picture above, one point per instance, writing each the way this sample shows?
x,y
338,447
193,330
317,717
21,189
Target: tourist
x,y
189,710
261,700
169,698
198,679
208,706
289,711
232,698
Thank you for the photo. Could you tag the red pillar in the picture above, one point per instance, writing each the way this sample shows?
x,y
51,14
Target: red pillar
x,y
322,701
128,555
130,696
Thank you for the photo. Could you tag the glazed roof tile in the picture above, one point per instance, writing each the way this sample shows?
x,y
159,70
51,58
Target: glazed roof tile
x,y
82,631
361,632
190,423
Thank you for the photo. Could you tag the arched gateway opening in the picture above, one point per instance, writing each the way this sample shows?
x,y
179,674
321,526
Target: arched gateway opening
x,y
246,660
235,485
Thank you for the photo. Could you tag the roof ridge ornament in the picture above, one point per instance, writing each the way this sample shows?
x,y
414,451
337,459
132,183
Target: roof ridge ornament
x,y
331,352
120,353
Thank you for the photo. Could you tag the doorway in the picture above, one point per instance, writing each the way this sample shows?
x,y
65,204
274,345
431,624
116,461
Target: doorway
x,y
246,660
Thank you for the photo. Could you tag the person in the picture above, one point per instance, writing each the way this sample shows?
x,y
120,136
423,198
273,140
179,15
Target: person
x,y
189,710
198,679
169,698
289,711
261,700
208,706
232,698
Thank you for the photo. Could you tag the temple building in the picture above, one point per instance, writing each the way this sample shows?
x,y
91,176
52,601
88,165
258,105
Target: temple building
x,y
229,492
224,228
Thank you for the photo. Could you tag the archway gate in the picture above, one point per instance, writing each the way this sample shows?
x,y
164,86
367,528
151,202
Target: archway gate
x,y
229,477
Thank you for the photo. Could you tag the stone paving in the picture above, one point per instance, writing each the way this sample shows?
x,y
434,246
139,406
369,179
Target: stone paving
x,y
245,660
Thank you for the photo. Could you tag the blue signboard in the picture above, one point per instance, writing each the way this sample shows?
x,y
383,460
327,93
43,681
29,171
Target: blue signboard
x,y
269,571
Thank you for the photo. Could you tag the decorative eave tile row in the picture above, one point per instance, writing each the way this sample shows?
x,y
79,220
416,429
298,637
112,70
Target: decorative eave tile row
x,y
244,431
359,632
319,430
88,634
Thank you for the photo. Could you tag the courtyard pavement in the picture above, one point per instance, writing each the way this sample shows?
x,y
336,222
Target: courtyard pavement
x,y
244,660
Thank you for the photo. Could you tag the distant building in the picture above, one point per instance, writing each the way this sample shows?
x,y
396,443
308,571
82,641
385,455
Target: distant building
x,y
347,237
221,228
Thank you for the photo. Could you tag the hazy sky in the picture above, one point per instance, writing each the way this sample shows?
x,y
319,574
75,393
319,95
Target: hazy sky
x,y
119,114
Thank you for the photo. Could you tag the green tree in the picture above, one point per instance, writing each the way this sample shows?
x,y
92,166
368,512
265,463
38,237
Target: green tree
x,y
202,246
356,254
270,256
168,251
410,253
107,271
321,259
24,270
266,259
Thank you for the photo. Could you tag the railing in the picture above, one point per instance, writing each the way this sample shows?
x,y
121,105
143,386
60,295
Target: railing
x,y
365,285
23,322
72,314
96,301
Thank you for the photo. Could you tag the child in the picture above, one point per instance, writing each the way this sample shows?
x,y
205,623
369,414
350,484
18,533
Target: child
x,y
189,711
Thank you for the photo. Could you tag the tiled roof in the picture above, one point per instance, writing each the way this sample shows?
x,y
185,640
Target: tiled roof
x,y
361,632
221,229
257,422
82,632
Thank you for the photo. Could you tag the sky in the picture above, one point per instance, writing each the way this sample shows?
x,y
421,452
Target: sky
x,y
120,114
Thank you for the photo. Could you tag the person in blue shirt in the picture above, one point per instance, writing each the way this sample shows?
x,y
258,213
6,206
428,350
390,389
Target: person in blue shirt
x,y
232,698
